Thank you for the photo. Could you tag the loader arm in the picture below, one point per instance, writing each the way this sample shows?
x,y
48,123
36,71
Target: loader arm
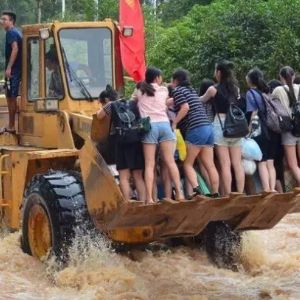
x,y
81,124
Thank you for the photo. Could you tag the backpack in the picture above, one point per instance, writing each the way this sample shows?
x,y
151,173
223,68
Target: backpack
x,y
236,124
296,119
277,117
129,127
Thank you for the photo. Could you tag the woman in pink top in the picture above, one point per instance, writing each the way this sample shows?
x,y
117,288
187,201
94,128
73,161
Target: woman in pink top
x,y
152,102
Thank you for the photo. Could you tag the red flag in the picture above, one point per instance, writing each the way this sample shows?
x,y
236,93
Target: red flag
x,y
133,47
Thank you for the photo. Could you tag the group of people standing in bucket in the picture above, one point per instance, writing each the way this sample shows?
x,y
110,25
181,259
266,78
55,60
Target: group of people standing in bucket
x,y
200,119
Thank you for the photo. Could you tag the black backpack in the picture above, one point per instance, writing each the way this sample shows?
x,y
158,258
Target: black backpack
x,y
236,124
296,119
127,123
295,115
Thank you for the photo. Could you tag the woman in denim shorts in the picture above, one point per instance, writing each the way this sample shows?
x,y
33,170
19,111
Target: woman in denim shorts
x,y
228,150
152,102
192,119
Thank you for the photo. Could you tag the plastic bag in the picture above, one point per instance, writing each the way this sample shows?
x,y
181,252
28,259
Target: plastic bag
x,y
251,150
249,166
181,147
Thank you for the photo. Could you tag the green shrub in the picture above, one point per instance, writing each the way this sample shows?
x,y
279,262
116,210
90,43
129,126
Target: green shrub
x,y
250,33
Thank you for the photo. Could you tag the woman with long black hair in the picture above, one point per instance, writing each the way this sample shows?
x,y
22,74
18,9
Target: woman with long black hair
x,y
152,102
267,140
128,157
192,120
228,150
289,95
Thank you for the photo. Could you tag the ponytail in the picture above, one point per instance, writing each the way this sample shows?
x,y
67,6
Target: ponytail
x,y
255,76
146,86
227,79
109,94
287,73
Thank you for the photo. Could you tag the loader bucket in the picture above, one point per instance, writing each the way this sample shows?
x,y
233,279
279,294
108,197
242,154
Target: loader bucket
x,y
133,222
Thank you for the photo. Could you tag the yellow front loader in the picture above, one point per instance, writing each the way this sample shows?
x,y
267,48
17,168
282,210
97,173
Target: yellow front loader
x,y
54,178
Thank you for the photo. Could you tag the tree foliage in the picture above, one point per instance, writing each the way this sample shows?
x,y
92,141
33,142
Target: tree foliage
x,y
194,34
250,33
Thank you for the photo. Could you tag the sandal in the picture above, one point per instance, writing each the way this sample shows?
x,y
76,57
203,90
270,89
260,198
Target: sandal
x,y
6,130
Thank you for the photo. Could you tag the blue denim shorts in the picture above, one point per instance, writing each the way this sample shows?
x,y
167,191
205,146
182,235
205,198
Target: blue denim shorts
x,y
14,84
200,136
160,132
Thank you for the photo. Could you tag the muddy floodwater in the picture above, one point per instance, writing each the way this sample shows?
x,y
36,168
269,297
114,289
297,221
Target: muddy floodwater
x,y
271,270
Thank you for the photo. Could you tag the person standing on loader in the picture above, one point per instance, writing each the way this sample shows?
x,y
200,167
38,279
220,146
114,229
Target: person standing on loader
x,y
13,66
129,158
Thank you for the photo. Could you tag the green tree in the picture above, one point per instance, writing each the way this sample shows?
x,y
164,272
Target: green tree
x,y
262,33
174,10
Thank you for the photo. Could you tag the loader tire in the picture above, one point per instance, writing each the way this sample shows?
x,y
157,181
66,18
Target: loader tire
x,y
223,245
54,210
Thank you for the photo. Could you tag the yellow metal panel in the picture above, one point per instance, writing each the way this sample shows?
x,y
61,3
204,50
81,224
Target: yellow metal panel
x,y
102,194
8,139
65,138
13,187
81,125
23,163
39,129
132,235
100,129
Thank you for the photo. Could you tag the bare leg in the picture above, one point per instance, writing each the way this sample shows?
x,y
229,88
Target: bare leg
x,y
264,176
149,154
188,187
207,158
298,153
140,184
155,191
278,186
225,166
125,184
12,110
166,179
167,152
192,153
272,174
236,161
203,170
291,158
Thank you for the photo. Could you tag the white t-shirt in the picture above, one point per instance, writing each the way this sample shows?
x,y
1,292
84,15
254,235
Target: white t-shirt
x,y
282,95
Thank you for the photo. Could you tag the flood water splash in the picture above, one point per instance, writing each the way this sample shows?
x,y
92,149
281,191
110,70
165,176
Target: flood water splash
x,y
270,270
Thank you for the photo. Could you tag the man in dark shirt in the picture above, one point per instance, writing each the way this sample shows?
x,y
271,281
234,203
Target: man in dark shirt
x,y
13,66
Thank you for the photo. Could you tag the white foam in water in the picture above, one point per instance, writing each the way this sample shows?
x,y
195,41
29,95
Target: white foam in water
x,y
271,270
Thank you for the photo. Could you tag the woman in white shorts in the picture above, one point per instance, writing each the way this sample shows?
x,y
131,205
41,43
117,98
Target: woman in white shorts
x,y
228,150
288,95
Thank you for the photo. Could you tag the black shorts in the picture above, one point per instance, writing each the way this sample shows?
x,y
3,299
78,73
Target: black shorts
x,y
13,84
129,156
279,159
268,146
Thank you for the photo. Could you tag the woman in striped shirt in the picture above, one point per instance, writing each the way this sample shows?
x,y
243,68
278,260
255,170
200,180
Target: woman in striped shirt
x,y
194,124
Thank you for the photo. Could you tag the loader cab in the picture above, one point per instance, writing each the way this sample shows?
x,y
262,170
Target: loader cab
x,y
65,67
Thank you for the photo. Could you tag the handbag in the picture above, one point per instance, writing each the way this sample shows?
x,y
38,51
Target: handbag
x,y
235,125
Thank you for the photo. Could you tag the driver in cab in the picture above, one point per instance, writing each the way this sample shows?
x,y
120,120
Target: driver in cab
x,y
55,88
